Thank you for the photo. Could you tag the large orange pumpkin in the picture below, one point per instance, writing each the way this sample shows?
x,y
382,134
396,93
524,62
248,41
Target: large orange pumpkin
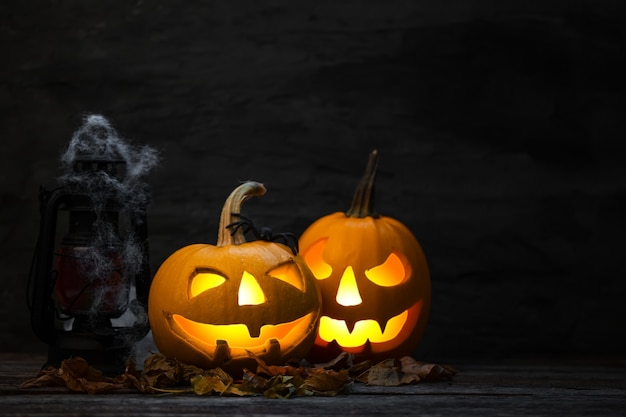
x,y
374,280
210,305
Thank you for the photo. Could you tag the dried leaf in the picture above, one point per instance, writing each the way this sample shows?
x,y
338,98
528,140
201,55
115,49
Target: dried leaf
x,y
385,373
76,375
189,371
326,382
359,368
273,370
425,371
281,386
160,371
236,390
47,377
132,377
170,390
405,371
253,382
81,377
207,384
216,381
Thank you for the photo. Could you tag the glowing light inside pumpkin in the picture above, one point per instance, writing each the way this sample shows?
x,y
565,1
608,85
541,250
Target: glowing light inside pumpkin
x,y
313,258
250,292
348,292
204,280
364,330
289,273
388,274
238,335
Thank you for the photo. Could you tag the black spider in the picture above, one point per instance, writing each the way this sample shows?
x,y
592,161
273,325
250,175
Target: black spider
x,y
263,233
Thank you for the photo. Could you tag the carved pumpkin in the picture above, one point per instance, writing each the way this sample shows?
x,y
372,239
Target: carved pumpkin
x,y
209,305
374,280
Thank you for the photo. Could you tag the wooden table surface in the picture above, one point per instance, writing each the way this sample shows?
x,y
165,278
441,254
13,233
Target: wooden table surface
x,y
574,388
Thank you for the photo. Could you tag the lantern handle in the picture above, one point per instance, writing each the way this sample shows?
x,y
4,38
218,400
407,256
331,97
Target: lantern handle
x,y
42,314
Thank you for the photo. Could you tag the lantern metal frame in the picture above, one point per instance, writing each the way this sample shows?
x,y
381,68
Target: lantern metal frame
x,y
104,344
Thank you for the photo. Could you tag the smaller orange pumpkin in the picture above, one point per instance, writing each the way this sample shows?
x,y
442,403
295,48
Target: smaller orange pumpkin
x,y
209,305
374,280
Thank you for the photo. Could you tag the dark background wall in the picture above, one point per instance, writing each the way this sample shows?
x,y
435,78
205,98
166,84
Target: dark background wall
x,y
500,127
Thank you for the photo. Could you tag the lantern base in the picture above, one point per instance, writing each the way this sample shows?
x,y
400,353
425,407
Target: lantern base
x,y
108,355
111,362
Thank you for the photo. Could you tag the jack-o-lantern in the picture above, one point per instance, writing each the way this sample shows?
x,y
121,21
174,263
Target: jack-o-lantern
x,y
209,305
374,280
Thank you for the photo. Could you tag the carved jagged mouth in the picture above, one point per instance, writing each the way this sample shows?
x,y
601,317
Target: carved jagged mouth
x,y
368,330
238,336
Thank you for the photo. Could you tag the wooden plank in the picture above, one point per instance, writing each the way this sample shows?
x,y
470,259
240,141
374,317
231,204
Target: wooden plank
x,y
511,389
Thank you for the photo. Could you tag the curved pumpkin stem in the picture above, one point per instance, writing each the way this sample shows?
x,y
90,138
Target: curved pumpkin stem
x,y
232,207
363,200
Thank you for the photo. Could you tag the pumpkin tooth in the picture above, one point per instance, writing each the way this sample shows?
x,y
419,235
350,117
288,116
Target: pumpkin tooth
x,y
222,351
350,324
272,347
254,331
383,326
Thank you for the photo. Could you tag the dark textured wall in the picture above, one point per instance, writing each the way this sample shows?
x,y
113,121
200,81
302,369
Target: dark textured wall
x,y
500,127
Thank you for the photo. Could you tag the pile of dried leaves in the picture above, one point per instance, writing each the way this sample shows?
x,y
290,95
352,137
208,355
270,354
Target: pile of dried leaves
x,y
165,375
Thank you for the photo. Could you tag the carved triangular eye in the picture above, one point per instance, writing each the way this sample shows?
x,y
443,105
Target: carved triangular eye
x,y
390,273
203,280
289,273
313,258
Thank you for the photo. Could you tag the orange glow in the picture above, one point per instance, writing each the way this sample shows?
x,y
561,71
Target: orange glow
x,y
348,292
289,273
364,330
250,293
313,258
203,281
238,336
388,274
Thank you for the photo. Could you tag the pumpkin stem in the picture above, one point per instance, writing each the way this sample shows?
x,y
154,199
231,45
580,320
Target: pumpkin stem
x,y
232,207
363,200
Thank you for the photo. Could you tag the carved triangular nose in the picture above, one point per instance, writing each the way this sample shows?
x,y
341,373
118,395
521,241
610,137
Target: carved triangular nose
x,y
250,292
348,291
